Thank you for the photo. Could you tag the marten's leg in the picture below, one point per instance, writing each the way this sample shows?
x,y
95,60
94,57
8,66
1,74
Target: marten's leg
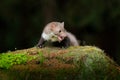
x,y
63,44
66,42
41,42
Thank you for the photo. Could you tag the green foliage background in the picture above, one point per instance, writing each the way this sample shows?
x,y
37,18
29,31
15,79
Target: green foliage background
x,y
95,22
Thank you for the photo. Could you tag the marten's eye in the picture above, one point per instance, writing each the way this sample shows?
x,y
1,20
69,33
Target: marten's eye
x,y
59,31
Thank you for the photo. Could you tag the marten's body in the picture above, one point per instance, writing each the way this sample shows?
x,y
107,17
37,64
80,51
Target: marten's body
x,y
56,33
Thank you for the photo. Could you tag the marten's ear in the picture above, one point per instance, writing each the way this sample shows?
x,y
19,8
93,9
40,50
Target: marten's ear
x,y
52,25
62,24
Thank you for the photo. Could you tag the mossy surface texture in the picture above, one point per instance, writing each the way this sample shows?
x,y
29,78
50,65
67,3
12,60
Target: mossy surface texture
x,y
73,63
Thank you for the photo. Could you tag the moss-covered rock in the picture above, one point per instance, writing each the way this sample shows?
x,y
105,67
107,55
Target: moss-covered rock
x,y
74,63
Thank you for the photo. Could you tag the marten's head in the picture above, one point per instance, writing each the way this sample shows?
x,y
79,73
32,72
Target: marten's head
x,y
58,30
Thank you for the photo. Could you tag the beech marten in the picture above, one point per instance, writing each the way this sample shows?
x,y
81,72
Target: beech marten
x,y
57,35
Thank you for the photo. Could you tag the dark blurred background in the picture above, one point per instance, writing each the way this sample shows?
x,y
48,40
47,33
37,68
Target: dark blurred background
x,y
94,22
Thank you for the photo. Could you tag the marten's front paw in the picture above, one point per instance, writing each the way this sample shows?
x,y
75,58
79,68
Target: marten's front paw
x,y
39,46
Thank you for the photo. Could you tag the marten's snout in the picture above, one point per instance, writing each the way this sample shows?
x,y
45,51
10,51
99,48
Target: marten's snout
x,y
61,37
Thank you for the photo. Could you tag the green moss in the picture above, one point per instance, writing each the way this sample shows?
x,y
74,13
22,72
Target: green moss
x,y
73,63
9,59
42,58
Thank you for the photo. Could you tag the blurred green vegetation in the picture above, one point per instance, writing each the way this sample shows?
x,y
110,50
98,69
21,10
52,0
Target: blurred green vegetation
x,y
94,22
